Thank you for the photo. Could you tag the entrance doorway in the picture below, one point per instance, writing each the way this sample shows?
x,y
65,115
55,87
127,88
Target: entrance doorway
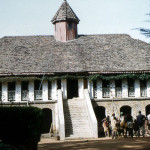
x,y
126,110
100,115
72,88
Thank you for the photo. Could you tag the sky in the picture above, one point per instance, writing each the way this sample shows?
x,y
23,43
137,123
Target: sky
x,y
33,17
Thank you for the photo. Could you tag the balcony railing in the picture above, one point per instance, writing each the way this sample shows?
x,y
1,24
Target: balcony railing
x,y
131,92
118,92
95,92
38,94
11,95
143,92
49,94
24,95
106,92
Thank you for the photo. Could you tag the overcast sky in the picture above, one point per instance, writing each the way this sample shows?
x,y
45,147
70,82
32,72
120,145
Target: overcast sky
x,y
33,17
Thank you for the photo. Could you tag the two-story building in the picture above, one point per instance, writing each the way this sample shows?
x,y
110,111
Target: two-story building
x,y
75,79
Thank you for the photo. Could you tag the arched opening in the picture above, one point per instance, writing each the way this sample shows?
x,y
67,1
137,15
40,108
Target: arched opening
x,y
127,110
147,109
100,115
47,120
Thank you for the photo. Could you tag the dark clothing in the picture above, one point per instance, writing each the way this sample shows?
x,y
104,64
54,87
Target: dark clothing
x,y
140,120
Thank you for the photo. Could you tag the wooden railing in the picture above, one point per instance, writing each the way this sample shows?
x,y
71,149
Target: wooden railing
x,y
143,92
131,92
118,92
106,92
38,94
24,95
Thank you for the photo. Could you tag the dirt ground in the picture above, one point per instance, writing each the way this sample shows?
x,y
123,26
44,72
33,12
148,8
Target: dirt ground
x,y
97,144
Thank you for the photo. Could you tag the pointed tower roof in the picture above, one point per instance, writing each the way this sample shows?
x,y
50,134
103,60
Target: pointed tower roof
x,y
65,13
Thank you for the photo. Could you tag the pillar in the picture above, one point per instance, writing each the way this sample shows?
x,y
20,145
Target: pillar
x,y
124,88
99,89
4,92
64,88
148,88
90,88
18,92
54,90
137,88
31,91
81,87
112,89
45,90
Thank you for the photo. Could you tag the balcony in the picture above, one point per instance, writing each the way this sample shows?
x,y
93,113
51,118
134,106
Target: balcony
x,y
106,92
118,92
38,94
95,92
143,92
25,95
131,92
11,95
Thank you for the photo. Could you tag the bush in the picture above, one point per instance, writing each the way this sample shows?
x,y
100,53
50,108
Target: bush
x,y
20,126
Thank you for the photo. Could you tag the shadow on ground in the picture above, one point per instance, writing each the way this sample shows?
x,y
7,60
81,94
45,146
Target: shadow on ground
x,y
117,144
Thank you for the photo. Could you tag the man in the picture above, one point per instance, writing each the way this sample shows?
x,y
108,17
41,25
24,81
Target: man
x,y
141,121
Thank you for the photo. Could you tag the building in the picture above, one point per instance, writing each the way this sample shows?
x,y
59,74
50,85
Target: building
x,y
75,79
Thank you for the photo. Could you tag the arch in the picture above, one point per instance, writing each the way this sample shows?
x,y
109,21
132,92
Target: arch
x,y
126,110
147,109
47,120
100,115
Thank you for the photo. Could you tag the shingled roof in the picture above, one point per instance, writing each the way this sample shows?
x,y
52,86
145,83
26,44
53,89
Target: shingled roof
x,y
65,13
88,53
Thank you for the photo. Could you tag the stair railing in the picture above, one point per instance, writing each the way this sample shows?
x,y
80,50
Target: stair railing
x,y
61,115
91,114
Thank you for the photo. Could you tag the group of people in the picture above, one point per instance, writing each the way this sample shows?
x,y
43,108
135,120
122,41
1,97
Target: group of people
x,y
126,126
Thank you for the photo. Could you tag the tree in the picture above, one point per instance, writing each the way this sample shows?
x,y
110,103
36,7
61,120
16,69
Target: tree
x,y
145,31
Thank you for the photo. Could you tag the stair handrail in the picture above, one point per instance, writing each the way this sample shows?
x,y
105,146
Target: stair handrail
x,y
61,115
91,114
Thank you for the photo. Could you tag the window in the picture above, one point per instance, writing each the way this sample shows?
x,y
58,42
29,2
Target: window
x,y
24,91
131,92
38,90
11,91
69,25
118,86
106,89
143,87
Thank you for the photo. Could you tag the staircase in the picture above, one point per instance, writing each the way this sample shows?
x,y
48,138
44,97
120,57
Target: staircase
x,y
77,124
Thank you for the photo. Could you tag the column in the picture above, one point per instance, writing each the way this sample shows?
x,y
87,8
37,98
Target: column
x,y
31,91
64,88
45,90
112,89
99,89
137,88
54,90
81,88
124,88
18,92
148,88
90,88
4,92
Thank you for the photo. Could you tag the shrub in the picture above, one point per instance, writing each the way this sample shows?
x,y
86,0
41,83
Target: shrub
x,y
20,126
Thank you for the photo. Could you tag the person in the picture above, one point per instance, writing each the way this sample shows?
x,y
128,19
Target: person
x,y
129,120
109,125
105,126
114,128
141,122
148,118
135,127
